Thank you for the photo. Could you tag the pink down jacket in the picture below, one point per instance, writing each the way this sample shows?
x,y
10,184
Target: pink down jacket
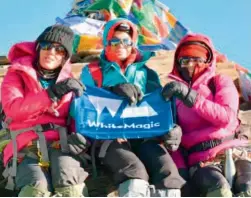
x,y
24,100
214,116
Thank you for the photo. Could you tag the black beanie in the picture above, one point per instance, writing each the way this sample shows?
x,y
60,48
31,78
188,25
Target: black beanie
x,y
58,34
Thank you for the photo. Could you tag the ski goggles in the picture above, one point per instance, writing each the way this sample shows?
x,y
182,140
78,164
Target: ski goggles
x,y
114,42
48,46
186,61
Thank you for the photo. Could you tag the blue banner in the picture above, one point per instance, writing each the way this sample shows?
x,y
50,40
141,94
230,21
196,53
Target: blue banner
x,y
99,114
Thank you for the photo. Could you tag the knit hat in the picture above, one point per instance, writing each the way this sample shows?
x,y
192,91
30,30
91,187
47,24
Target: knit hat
x,y
194,49
58,34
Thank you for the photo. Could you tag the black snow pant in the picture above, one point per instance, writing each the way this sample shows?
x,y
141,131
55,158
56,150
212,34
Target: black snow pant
x,y
211,178
148,161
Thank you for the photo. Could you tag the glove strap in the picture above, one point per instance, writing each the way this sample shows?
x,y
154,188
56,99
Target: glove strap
x,y
52,95
189,90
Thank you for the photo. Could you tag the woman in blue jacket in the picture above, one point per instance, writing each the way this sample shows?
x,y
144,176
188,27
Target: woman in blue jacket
x,y
124,72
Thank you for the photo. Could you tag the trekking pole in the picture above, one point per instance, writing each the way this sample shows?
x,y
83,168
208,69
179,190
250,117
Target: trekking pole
x,y
229,169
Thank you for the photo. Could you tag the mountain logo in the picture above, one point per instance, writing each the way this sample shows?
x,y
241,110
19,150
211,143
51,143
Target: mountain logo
x,y
101,103
143,110
112,105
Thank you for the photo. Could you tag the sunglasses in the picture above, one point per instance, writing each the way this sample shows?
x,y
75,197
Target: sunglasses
x,y
114,42
184,61
48,46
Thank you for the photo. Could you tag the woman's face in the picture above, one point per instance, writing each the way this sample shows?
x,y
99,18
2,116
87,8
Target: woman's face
x,y
121,45
51,55
190,64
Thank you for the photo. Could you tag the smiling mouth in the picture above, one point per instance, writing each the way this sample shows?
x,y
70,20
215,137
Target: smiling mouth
x,y
120,52
49,59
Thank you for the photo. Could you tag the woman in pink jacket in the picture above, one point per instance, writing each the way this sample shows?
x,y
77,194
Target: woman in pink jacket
x,y
36,95
207,108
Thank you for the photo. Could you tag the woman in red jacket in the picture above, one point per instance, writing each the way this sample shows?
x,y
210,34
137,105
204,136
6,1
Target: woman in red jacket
x,y
36,95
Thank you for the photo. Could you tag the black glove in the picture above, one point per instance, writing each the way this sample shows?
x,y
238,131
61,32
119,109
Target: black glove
x,y
57,91
181,91
77,143
127,90
172,139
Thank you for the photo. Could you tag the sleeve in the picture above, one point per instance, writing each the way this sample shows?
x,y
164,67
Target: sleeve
x,y
86,77
72,108
19,105
224,108
153,81
72,126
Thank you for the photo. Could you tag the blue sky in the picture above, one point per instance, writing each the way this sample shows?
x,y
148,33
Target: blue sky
x,y
227,22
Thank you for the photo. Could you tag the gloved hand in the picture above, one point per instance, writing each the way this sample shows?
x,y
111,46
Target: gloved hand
x,y
77,143
172,139
58,90
127,90
181,91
